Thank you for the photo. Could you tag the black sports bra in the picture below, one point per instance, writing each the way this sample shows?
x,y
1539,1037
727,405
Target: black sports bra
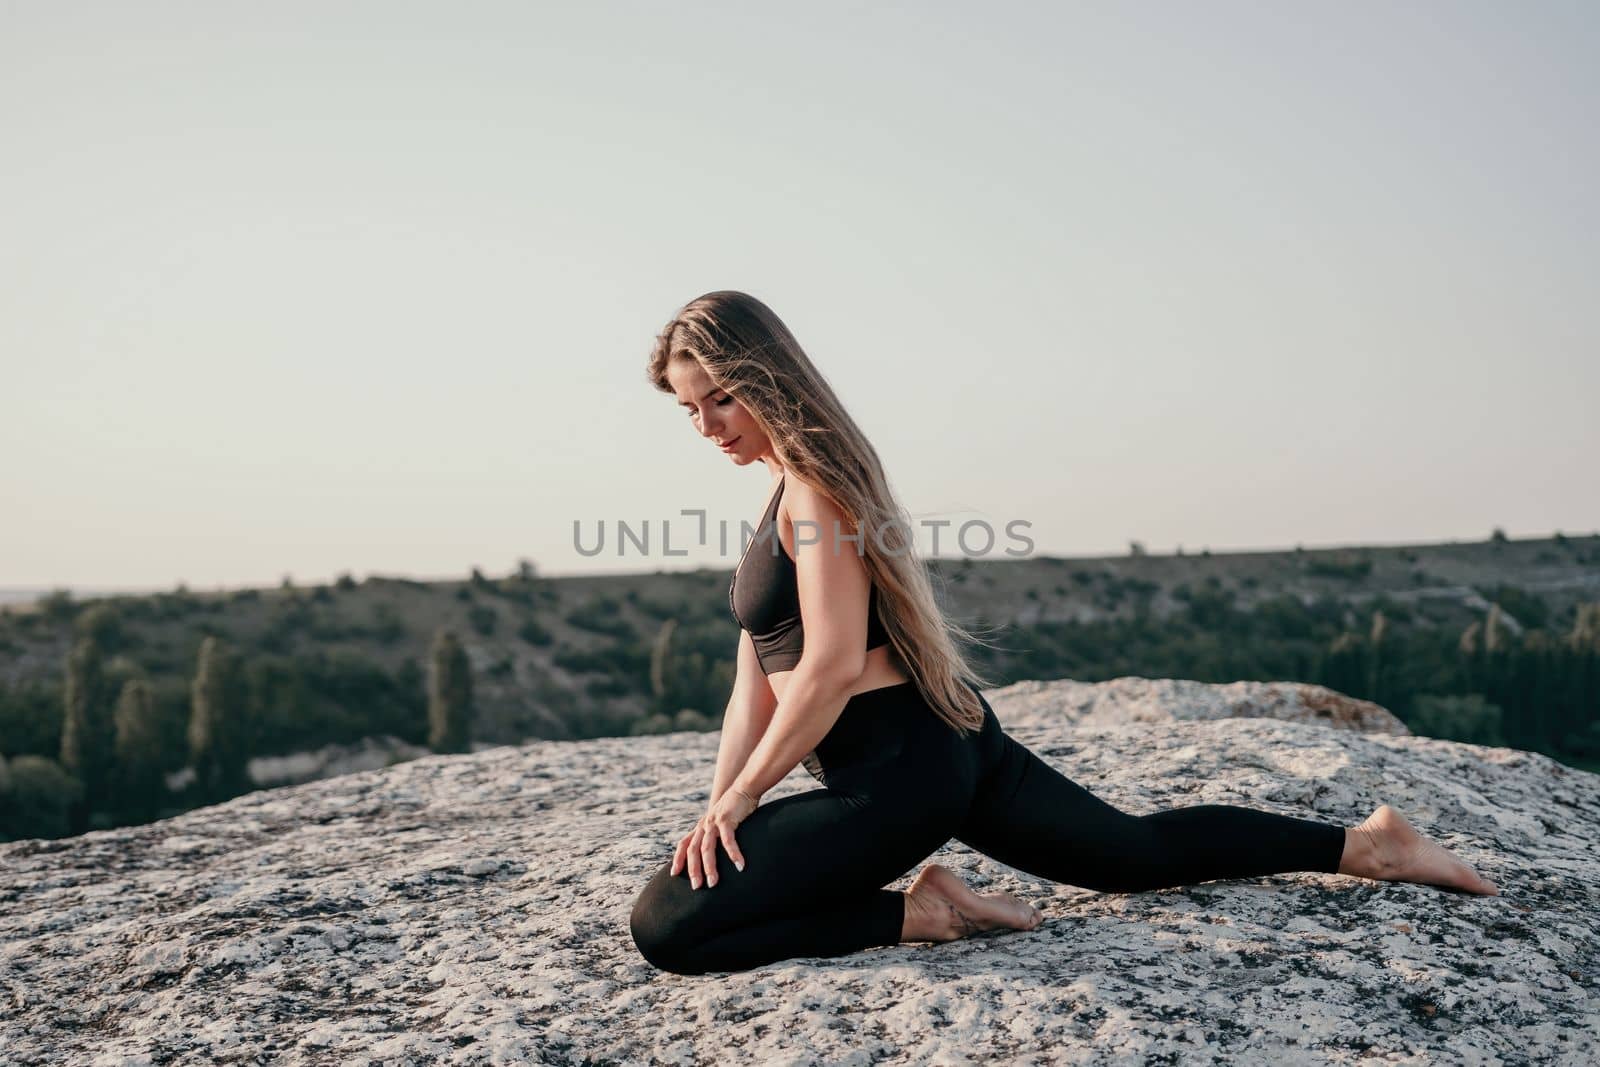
x,y
764,597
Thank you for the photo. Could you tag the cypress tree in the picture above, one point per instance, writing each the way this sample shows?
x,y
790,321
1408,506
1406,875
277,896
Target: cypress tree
x,y
661,662
1378,660
1583,670
1585,633
138,751
217,741
1495,636
86,741
1497,680
1344,665
449,695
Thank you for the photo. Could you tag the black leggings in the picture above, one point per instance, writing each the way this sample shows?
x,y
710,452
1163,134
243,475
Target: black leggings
x,y
899,783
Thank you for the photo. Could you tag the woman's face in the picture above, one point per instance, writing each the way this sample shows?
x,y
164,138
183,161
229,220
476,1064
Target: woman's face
x,y
715,414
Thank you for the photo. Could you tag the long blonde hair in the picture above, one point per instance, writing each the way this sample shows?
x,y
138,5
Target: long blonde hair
x,y
747,351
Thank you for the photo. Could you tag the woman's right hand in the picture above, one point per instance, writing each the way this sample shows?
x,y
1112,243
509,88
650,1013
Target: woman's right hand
x,y
687,853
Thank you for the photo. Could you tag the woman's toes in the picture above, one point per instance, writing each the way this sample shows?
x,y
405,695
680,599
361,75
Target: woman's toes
x,y
1403,854
963,912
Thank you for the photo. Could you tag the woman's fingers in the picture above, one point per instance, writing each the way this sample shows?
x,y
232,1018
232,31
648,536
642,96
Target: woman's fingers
x,y
696,853
686,857
692,859
708,855
680,855
732,848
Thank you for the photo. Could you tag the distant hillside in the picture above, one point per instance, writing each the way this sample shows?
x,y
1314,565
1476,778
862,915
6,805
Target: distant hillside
x,y
571,657
1496,643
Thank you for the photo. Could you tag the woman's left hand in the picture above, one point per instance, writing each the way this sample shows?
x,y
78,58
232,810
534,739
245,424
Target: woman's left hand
x,y
732,808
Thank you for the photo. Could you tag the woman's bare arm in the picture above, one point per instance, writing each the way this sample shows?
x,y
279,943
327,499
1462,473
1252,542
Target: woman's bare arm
x,y
747,717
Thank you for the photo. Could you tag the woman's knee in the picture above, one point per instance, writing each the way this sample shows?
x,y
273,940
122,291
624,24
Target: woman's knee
x,y
659,929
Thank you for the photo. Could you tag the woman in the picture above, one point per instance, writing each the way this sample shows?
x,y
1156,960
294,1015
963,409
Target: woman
x,y
846,663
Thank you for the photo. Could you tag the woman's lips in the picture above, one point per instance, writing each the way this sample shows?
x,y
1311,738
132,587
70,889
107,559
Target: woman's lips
x,y
729,446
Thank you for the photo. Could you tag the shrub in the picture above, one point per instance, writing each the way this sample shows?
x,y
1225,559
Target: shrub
x,y
387,627
651,724
58,606
608,686
483,618
101,624
690,719
1527,608
1457,718
30,719
37,798
531,632
600,616
319,699
1347,569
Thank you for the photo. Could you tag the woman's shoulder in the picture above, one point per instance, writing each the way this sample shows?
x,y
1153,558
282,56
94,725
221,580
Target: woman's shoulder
x,y
804,501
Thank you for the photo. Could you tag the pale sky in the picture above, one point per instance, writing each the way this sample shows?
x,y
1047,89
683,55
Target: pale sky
x,y
311,288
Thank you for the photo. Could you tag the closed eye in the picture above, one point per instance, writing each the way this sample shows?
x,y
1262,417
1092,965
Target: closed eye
x,y
724,402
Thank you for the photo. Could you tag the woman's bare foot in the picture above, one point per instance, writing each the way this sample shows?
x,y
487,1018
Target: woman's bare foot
x,y
941,907
1387,847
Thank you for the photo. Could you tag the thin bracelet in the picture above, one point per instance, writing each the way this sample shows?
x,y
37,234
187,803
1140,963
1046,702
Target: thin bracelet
x,y
753,801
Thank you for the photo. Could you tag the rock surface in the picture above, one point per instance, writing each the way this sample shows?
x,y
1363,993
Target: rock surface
x,y
1179,699
473,909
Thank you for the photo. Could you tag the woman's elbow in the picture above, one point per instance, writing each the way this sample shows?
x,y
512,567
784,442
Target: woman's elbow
x,y
833,670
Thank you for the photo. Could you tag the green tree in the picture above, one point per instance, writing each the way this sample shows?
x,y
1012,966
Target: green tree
x,y
1378,666
1457,718
58,606
218,734
1344,665
138,747
1585,632
102,624
86,734
662,679
449,695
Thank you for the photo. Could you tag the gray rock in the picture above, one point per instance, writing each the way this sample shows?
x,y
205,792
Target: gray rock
x,y
473,909
1176,699
367,754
